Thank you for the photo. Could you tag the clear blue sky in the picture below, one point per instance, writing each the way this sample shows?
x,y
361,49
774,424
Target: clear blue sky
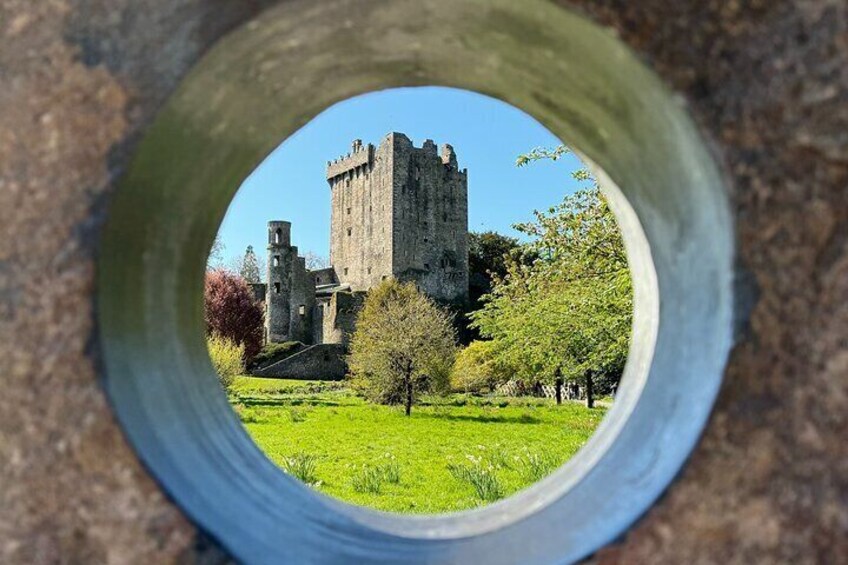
x,y
487,135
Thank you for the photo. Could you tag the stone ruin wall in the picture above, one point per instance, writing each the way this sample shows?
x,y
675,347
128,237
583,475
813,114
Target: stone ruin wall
x,y
278,303
430,219
290,292
360,215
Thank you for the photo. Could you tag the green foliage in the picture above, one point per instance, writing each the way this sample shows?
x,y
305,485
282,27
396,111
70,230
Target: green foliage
x,y
404,344
536,466
569,311
346,433
368,479
480,476
249,268
479,367
372,477
488,252
302,466
226,357
273,351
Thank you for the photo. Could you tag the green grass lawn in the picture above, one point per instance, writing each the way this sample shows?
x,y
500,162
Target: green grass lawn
x,y
453,453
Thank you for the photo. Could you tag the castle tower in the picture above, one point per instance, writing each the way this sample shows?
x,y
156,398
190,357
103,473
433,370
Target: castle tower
x,y
401,211
278,294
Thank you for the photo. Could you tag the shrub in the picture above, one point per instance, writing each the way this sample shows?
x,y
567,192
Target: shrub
x,y
302,466
477,368
227,358
486,485
271,351
403,345
230,311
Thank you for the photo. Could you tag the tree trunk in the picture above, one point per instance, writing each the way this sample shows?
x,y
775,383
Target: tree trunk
x,y
590,397
408,396
558,384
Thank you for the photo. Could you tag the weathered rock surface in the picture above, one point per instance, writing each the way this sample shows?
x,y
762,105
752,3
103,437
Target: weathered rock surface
x,y
766,80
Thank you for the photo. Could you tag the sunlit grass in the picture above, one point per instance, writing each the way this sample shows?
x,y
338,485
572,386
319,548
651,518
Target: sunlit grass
x,y
375,456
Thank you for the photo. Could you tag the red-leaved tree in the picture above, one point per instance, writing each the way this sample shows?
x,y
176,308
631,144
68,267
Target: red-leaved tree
x,y
232,312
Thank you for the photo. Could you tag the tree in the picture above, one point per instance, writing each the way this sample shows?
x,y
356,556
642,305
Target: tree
x,y
478,366
487,255
249,266
216,255
232,313
567,315
315,261
404,344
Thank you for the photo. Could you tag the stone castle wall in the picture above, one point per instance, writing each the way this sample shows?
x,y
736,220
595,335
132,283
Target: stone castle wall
x,y
278,293
290,292
360,216
400,211
430,214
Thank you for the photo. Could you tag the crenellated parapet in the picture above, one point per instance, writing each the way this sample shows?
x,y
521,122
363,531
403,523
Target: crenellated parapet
x,y
360,159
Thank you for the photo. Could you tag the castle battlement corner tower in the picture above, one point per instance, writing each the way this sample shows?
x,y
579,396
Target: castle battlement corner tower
x,y
402,211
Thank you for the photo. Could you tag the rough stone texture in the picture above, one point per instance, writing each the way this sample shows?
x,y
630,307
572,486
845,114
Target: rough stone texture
x,y
324,361
290,303
401,211
768,82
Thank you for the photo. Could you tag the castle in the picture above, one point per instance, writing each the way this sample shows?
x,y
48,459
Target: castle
x,y
397,211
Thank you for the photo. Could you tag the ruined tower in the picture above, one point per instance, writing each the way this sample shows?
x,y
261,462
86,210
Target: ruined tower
x,y
290,295
402,211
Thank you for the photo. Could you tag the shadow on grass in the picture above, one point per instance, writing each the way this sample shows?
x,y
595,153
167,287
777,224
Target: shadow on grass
x,y
287,402
485,418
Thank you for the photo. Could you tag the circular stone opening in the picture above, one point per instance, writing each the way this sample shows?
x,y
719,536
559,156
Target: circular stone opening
x,y
263,82
417,174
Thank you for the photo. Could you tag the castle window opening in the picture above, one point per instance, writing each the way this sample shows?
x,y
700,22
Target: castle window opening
x,y
349,231
276,260
369,270
301,310
345,270
278,236
276,288
348,211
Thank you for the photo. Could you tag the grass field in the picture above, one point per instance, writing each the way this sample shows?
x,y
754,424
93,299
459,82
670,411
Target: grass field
x,y
453,453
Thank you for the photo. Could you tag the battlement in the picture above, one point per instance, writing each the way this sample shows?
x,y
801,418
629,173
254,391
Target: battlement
x,y
359,156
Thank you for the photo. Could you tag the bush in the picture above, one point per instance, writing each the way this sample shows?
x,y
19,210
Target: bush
x,y
272,351
476,368
231,311
227,358
403,345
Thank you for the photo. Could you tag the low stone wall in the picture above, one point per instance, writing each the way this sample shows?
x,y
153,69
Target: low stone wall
x,y
323,361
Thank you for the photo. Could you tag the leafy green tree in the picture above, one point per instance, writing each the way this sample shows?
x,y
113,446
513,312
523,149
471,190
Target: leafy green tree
x,y
567,315
479,366
404,344
248,267
487,255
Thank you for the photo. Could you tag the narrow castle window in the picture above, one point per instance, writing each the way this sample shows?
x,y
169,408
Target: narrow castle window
x,y
276,260
278,236
349,231
276,288
348,211
369,270
301,310
427,266
345,271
